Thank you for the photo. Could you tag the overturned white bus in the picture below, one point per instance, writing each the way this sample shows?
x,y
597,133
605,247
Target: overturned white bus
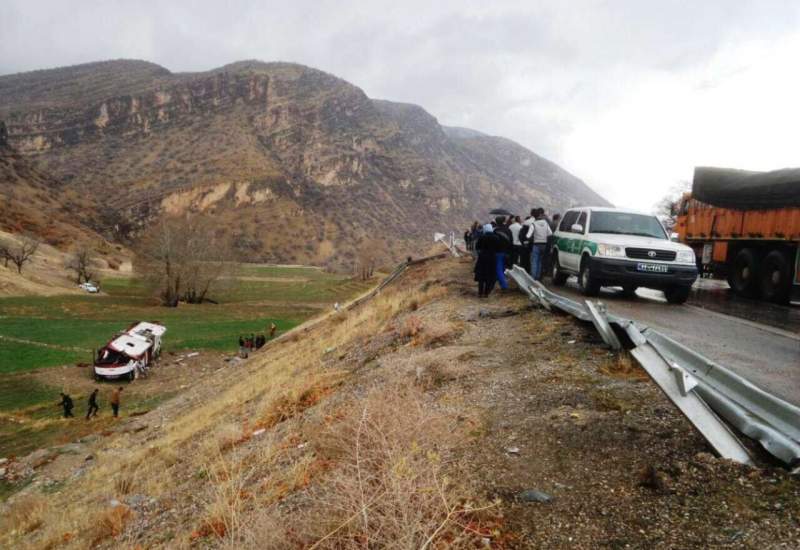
x,y
135,349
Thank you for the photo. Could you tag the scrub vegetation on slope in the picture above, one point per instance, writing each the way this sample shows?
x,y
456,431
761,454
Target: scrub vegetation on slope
x,y
419,419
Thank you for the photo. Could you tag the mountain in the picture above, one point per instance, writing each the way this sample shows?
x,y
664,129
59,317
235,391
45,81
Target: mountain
x,y
34,202
293,163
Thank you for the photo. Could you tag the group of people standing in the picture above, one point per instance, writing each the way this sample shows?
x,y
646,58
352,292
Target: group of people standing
x,y
253,342
509,240
67,404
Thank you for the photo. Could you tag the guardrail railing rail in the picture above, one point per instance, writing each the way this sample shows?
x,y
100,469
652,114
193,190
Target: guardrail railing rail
x,y
704,391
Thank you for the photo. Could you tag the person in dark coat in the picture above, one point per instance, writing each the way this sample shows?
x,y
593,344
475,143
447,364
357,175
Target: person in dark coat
x,y
66,403
93,408
487,247
506,243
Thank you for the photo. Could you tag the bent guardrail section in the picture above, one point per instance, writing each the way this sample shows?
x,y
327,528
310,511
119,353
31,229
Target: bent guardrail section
x,y
702,390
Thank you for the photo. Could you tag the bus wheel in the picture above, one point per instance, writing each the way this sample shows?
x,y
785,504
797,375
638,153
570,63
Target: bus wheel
x,y
744,273
774,277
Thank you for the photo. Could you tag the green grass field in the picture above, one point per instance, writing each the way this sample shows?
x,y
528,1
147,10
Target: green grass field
x,y
41,332
57,330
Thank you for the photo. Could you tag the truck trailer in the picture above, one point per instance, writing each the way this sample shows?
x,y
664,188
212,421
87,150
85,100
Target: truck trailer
x,y
745,226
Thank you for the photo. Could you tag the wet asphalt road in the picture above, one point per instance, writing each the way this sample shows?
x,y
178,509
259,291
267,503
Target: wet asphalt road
x,y
758,341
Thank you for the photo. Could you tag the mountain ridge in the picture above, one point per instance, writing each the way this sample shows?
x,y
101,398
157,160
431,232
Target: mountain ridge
x,y
253,141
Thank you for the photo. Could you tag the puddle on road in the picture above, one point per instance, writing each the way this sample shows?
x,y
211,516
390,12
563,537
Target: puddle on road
x,y
716,296
713,295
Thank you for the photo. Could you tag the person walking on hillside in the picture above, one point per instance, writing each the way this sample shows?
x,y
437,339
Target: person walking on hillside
x,y
115,400
503,233
538,234
67,404
93,408
486,247
272,328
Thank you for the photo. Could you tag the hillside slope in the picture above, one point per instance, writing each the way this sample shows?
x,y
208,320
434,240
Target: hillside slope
x,y
421,417
35,202
278,153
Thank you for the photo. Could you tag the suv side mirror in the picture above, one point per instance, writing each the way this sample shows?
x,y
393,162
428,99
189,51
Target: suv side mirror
x,y
674,237
577,228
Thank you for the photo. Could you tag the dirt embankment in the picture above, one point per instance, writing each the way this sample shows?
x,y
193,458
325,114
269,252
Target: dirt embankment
x,y
46,273
423,418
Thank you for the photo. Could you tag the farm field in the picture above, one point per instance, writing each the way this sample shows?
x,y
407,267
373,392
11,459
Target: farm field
x,y
42,338
46,331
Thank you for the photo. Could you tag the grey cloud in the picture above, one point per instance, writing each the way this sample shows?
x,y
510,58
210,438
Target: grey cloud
x,y
528,70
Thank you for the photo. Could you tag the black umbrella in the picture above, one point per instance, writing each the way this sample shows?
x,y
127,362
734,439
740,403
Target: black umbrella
x,y
500,212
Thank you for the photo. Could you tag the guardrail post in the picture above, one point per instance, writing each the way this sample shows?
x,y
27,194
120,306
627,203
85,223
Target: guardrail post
x,y
600,321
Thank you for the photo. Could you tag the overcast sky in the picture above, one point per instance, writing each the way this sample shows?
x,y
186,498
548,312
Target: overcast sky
x,y
629,95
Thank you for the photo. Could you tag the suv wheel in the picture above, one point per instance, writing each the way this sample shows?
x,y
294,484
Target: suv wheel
x,y
589,285
629,290
559,277
677,294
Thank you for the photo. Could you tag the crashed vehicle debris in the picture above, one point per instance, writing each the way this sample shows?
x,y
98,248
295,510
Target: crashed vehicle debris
x,y
130,352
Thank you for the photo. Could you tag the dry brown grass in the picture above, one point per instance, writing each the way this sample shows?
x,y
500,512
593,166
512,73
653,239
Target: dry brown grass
x,y
26,516
386,482
622,365
383,456
412,325
111,523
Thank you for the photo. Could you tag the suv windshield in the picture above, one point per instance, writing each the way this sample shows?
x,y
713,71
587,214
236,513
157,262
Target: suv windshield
x,y
620,223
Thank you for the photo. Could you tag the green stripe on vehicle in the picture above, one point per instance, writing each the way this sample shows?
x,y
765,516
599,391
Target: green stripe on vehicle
x,y
576,246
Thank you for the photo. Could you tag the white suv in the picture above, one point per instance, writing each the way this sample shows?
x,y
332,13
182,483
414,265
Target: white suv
x,y
614,247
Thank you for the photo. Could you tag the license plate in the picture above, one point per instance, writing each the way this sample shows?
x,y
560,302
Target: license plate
x,y
652,268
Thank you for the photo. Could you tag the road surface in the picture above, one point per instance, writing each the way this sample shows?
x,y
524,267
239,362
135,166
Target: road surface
x,y
758,341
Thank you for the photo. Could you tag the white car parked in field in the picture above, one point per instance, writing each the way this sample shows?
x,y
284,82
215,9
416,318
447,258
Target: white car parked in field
x,y
89,287
614,247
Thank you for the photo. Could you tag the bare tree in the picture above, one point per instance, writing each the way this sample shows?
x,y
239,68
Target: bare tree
x,y
666,207
366,259
80,262
4,254
19,253
184,260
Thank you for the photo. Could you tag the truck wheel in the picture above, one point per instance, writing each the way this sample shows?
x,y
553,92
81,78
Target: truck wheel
x,y
774,277
744,273
589,285
677,294
559,277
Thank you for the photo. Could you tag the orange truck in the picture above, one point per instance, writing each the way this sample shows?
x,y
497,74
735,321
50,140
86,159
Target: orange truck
x,y
745,226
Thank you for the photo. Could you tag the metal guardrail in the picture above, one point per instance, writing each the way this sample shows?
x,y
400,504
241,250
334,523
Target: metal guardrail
x,y
702,390
448,241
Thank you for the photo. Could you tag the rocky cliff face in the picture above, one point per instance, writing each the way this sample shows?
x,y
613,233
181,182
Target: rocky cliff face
x,y
295,164
36,203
